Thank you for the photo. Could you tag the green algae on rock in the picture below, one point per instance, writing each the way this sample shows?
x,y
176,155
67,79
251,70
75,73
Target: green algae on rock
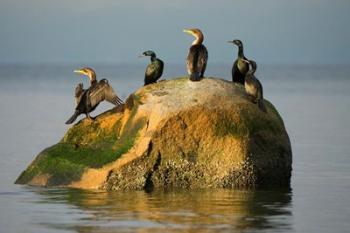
x,y
174,133
88,144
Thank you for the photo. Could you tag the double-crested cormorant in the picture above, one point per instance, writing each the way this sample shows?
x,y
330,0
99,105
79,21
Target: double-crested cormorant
x,y
155,69
197,57
239,68
253,86
88,99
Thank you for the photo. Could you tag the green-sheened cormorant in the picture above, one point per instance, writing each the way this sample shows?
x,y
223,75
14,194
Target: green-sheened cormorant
x,y
253,86
88,99
197,57
155,69
239,68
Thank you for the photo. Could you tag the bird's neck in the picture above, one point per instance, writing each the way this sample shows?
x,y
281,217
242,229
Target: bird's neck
x,y
92,79
153,58
240,52
199,40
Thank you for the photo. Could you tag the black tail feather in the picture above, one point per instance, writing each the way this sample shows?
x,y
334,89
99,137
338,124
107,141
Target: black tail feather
x,y
73,118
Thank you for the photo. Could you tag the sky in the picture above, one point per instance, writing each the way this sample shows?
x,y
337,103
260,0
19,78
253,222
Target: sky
x,y
117,31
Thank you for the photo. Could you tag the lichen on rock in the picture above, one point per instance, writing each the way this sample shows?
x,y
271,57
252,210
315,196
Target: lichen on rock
x,y
171,134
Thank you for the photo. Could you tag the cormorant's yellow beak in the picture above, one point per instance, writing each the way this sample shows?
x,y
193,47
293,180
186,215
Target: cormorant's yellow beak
x,y
79,72
230,41
189,31
140,56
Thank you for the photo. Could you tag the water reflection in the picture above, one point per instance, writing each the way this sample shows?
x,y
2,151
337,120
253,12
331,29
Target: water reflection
x,y
160,211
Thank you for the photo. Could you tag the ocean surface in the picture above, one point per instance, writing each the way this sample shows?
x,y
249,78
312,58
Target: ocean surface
x,y
314,101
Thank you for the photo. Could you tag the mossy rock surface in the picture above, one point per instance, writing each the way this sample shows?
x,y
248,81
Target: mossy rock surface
x,y
175,133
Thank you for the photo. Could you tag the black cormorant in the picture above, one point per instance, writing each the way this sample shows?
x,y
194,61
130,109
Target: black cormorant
x,y
88,99
155,69
253,86
197,57
239,68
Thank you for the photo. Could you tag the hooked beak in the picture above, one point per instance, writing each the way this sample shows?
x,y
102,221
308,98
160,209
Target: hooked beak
x,y
141,56
233,42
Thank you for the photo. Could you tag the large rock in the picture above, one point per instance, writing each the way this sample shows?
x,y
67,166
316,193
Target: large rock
x,y
171,134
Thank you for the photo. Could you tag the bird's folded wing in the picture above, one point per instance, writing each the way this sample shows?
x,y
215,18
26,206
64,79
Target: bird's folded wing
x,y
197,58
192,59
202,58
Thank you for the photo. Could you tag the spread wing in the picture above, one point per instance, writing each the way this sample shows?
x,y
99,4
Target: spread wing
x,y
103,91
79,90
96,94
112,97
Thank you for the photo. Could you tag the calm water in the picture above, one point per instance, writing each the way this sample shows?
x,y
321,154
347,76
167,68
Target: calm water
x,y
314,101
